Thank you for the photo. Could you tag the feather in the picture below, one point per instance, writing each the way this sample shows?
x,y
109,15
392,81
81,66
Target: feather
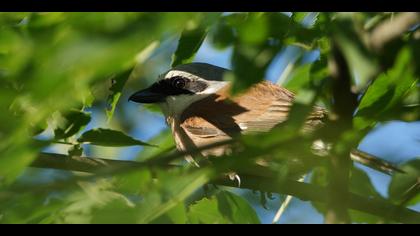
x,y
218,118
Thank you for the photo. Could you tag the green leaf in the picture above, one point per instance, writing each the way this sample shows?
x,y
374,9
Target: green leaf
x,y
159,200
299,77
254,29
405,187
109,138
249,64
359,183
71,123
176,215
225,207
189,43
75,150
166,143
206,211
49,62
223,36
299,16
171,190
362,63
386,91
133,182
118,83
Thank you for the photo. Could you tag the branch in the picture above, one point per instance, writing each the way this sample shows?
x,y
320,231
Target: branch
x,y
392,29
82,164
304,191
344,104
315,193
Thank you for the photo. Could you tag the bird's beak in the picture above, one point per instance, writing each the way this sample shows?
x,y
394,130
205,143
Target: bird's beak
x,y
147,96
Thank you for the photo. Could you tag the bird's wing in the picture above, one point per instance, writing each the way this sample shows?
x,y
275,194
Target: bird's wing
x,y
271,105
216,118
267,105
258,110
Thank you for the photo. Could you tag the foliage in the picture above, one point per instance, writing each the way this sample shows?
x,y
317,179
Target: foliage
x,y
59,72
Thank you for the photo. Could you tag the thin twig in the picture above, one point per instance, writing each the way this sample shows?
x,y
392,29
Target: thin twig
x,y
284,205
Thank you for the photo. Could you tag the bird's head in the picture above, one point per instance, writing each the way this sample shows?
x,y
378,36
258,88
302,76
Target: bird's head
x,y
179,87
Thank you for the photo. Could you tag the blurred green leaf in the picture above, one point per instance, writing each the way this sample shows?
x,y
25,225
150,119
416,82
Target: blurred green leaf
x,y
254,29
176,215
386,91
206,211
298,78
95,199
166,143
359,183
118,83
249,64
299,16
170,192
222,36
109,138
133,182
49,62
188,45
406,186
15,52
363,65
75,150
71,123
224,207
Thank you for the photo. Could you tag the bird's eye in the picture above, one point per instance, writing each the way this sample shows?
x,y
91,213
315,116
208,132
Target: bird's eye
x,y
178,82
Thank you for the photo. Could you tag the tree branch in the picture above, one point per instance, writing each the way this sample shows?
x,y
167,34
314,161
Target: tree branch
x,y
315,193
82,164
392,29
344,104
304,191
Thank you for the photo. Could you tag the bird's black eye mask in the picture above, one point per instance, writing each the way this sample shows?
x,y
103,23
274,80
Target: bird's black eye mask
x,y
178,85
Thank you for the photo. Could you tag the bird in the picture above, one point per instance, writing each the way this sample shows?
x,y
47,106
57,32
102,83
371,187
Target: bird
x,y
200,110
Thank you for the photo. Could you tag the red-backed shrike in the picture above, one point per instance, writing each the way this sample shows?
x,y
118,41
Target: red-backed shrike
x,y
199,109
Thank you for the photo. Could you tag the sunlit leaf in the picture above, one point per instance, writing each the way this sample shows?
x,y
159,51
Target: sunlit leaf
x,y
173,191
223,36
299,16
254,30
189,43
298,78
361,62
110,138
225,207
405,187
176,215
118,83
165,141
359,184
71,123
249,64
386,91
75,150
